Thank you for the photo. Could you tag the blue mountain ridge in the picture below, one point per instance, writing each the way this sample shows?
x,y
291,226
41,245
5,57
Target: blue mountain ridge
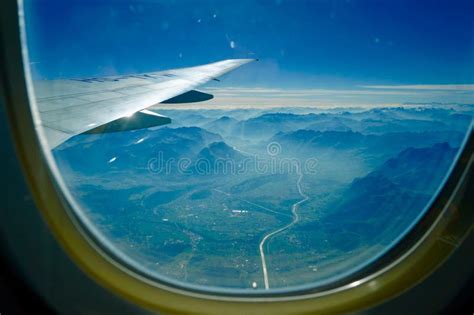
x,y
382,204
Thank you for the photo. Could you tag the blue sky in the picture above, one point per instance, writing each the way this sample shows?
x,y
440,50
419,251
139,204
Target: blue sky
x,y
302,45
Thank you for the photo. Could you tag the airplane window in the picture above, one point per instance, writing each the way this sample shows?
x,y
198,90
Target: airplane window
x,y
251,146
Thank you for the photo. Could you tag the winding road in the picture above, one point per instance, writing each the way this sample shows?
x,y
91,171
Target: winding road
x,y
296,218
294,211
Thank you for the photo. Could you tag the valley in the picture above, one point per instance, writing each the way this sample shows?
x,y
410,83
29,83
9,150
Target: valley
x,y
258,199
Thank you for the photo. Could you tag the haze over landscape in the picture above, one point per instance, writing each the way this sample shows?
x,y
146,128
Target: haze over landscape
x,y
331,189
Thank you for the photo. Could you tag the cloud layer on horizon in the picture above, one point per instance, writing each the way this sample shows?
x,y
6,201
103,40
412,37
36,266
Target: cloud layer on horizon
x,y
370,95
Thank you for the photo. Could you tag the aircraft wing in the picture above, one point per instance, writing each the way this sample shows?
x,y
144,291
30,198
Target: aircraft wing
x,y
105,104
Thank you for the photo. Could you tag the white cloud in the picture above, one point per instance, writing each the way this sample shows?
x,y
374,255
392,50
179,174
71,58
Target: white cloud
x,y
366,96
441,87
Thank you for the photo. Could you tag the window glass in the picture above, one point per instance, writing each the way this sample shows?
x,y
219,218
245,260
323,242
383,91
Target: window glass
x,y
292,171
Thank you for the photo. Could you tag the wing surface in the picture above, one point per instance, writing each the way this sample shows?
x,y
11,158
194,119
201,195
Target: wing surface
x,y
71,107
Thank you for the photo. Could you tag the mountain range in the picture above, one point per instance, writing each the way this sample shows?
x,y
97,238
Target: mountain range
x,y
393,194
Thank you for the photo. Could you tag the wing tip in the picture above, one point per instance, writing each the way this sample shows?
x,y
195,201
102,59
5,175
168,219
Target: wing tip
x,y
243,60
